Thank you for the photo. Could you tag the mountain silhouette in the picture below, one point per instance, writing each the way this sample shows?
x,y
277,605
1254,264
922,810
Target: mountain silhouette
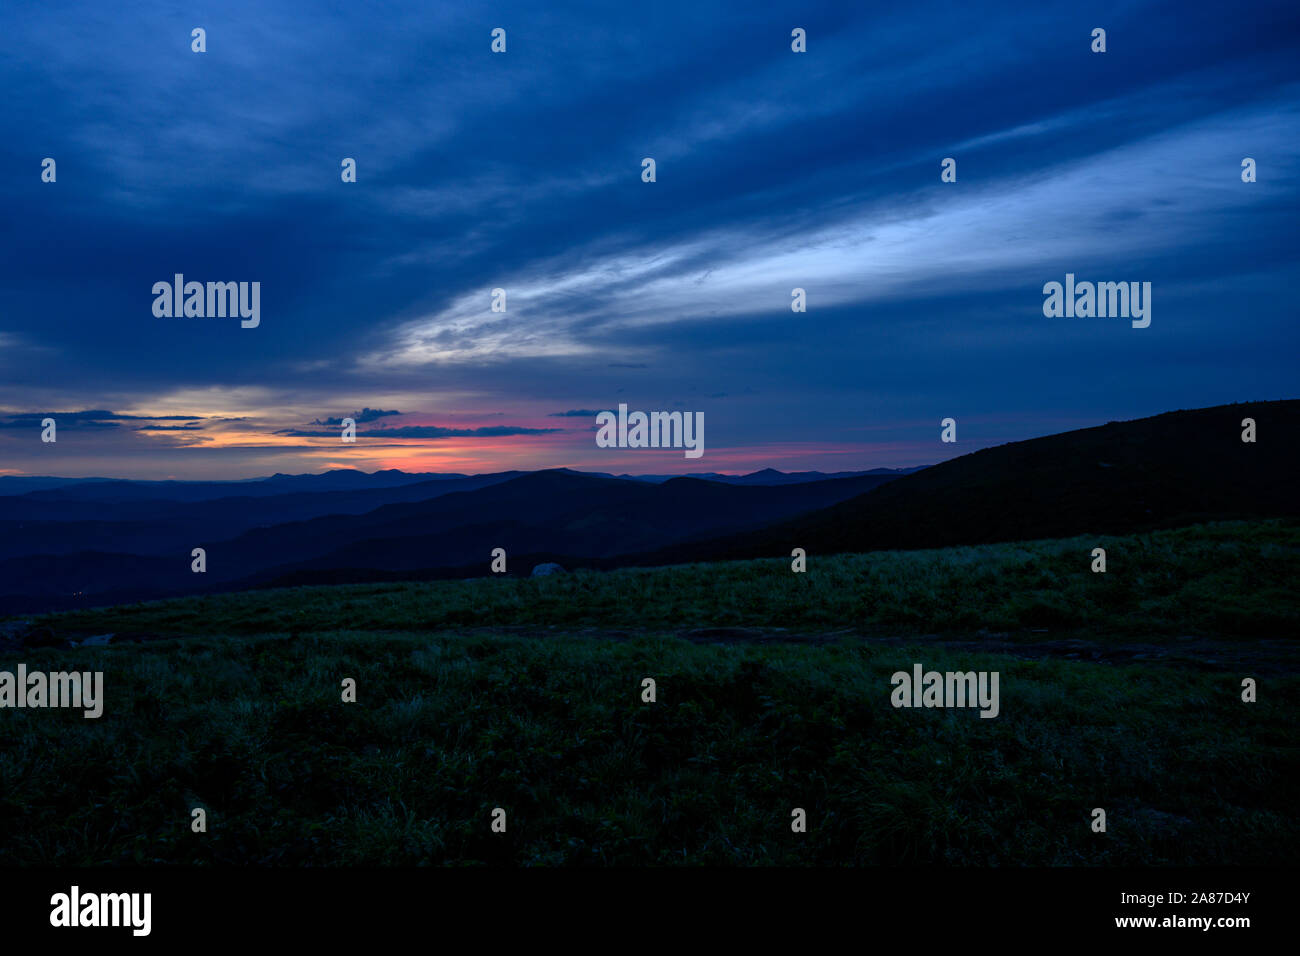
x,y
1169,470
69,545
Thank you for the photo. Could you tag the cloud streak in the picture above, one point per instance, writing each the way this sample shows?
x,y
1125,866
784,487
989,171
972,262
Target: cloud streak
x,y
522,172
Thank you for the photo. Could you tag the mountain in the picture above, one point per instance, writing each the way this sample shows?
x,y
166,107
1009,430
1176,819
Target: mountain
x,y
770,476
22,484
1174,469
117,490
37,523
1169,470
445,524
546,511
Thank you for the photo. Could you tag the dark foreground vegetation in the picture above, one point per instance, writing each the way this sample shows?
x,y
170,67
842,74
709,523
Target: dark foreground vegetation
x,y
773,693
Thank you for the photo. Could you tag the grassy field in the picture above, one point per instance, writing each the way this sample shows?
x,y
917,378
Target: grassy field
x,y
526,695
1230,580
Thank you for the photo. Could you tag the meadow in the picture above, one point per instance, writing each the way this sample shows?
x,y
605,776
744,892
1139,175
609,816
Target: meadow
x,y
772,694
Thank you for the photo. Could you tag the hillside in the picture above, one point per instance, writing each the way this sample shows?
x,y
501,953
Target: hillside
x,y
1170,470
98,552
59,550
1224,581
773,691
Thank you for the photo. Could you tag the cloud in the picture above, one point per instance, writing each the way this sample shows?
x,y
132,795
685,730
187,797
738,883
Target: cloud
x,y
365,415
774,171
94,418
426,431
97,415
69,423
971,237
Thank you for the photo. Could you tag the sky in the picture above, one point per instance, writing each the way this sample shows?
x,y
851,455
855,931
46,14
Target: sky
x,y
522,170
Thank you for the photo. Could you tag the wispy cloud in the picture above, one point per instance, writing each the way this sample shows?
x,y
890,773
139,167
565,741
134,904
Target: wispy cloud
x,y
424,431
775,170
365,415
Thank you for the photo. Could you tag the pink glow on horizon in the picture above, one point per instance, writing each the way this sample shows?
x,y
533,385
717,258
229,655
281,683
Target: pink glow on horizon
x,y
523,453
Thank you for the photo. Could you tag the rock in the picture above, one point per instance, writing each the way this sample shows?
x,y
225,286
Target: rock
x,y
549,568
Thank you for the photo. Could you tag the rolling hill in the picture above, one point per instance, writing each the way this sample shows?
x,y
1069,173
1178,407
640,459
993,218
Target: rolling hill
x,y
99,542
1170,470
447,524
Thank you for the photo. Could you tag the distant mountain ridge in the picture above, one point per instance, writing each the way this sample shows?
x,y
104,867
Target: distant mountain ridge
x,y
69,545
346,479
770,476
54,547
126,489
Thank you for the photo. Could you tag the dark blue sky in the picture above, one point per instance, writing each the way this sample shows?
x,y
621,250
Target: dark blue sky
x,y
522,170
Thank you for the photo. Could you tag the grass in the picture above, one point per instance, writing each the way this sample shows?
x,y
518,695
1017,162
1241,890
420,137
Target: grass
x,y
1233,579
237,709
